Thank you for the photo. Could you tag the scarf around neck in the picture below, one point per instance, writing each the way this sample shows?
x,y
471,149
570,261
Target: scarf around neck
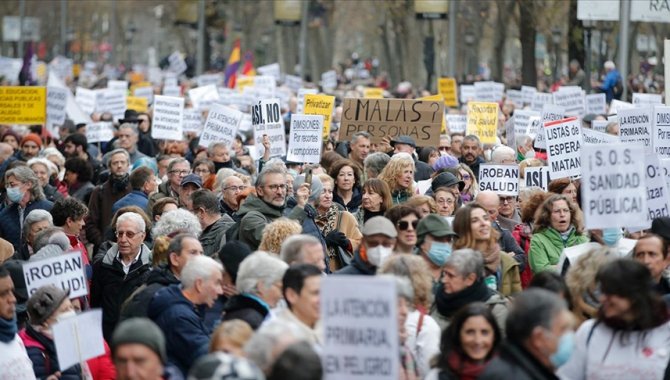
x,y
8,329
449,304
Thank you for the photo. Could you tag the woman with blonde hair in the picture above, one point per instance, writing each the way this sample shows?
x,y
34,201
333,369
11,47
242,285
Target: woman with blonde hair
x,y
399,176
471,186
230,337
581,281
276,232
423,204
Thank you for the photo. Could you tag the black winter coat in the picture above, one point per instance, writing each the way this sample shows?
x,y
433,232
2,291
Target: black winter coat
x,y
137,305
358,267
514,362
246,309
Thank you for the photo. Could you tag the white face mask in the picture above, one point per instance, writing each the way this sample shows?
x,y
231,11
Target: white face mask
x,y
66,315
378,255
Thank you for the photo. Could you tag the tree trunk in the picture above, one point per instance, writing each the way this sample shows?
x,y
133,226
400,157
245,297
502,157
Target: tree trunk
x,y
504,16
527,35
576,36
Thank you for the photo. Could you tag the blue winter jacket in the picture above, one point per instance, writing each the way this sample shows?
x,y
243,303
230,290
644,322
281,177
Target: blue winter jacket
x,y
10,226
134,198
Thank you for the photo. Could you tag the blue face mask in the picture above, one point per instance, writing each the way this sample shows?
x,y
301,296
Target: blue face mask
x,y
439,253
14,194
565,347
611,236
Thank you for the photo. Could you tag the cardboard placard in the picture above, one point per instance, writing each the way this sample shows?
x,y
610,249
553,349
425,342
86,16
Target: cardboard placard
x,y
516,97
300,105
501,179
209,79
65,271
614,191
79,338
192,121
564,141
320,105
599,125
221,126
483,121
23,105
617,105
537,176
305,140
419,119
488,91
468,93
120,85
521,120
447,88
293,82
86,100
115,103
145,92
528,94
550,112
56,103
266,119
661,131
174,91
102,131
595,104
168,116
329,80
635,125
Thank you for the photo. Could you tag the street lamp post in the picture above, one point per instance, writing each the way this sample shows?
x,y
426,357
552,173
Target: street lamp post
x,y
469,40
556,39
588,26
130,32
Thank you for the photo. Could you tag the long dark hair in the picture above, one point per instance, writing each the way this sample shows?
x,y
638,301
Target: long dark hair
x,y
451,336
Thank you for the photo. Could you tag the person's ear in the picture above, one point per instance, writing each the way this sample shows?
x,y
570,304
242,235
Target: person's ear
x,y
470,279
291,296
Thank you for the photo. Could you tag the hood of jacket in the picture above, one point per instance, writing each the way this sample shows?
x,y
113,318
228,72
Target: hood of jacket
x,y
241,301
253,203
163,276
166,298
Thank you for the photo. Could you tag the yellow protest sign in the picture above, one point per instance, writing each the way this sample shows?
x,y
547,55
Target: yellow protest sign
x,y
438,98
23,105
482,121
135,86
242,82
320,105
76,69
447,88
137,78
373,92
136,103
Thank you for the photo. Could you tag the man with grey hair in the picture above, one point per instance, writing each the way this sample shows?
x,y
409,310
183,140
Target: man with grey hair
x,y
259,283
524,147
177,169
359,147
539,338
127,139
123,269
214,225
375,163
219,154
503,155
303,249
25,194
176,310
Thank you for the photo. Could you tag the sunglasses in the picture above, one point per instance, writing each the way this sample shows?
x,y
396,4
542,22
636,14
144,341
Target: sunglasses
x,y
403,225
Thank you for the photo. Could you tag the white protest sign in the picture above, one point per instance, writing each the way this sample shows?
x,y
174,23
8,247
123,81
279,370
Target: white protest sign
x,y
457,123
468,93
570,98
170,79
550,112
528,93
86,100
221,126
501,179
102,131
571,254
599,125
56,102
359,306
100,98
120,85
115,103
564,140
329,80
657,190
267,120
537,176
65,271
665,167
168,117
614,191
618,105
192,120
594,137
72,109
510,134
595,104
293,82
488,91
246,126
207,79
272,70
540,99
516,97
522,121
177,63
661,132
174,91
305,139
635,125
79,338
145,92
203,97
647,99
300,104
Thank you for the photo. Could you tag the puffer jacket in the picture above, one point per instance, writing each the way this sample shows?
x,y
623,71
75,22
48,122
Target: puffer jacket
x,y
42,352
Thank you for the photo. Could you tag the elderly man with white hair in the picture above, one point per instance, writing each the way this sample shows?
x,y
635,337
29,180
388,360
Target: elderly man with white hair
x,y
503,155
259,283
175,310
123,269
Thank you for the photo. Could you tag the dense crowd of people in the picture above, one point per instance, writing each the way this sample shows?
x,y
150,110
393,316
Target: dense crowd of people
x,y
208,262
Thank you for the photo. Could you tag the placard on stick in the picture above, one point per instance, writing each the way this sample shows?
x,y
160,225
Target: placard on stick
x,y
483,121
79,338
168,116
192,121
305,139
65,271
266,118
221,126
447,88
564,141
501,179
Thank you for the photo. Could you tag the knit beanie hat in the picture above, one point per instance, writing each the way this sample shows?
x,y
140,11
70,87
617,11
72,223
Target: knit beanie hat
x,y
231,255
44,302
222,366
445,162
32,137
141,331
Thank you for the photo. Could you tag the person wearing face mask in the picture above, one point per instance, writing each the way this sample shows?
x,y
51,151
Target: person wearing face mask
x,y
524,147
46,307
379,238
434,236
539,339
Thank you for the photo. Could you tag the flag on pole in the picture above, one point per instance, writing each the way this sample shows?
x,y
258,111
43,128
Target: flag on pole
x,y
248,68
233,65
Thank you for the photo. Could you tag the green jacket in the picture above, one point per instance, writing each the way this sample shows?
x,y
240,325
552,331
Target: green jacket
x,y
546,247
255,214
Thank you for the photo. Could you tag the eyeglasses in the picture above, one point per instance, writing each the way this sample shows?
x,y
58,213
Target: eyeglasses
x,y
179,172
403,225
234,189
277,187
507,199
129,234
445,148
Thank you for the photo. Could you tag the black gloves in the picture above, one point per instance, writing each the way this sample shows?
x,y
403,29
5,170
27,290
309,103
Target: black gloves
x,y
337,238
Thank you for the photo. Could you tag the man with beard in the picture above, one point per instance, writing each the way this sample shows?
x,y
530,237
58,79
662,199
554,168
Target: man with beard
x,y
104,196
75,145
219,154
470,152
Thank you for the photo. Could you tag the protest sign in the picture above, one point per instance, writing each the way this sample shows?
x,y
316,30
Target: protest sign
x,y
65,271
320,105
665,167
419,119
438,98
102,131
221,126
305,139
168,116
661,132
613,194
657,190
571,254
599,125
207,79
516,97
192,121
56,102
174,91
203,97
647,99
120,85
537,176
177,63
265,83
329,80
272,70
483,121
293,82
78,338
540,99
617,105
528,93
23,105
100,98
115,103
72,110
594,137
137,104
522,121
564,140
447,88
550,112
510,134
570,98
373,92
243,82
145,92
266,119
353,306
635,125
488,91
501,179
457,123
468,93
595,104
86,100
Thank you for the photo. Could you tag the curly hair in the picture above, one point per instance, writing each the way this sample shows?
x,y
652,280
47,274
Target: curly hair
x,y
581,275
160,250
543,214
394,169
68,207
276,232
374,185
177,221
417,201
532,204
462,226
416,270
338,165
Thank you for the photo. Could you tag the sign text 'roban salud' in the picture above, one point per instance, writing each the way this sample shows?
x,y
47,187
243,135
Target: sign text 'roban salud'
x,y
419,119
